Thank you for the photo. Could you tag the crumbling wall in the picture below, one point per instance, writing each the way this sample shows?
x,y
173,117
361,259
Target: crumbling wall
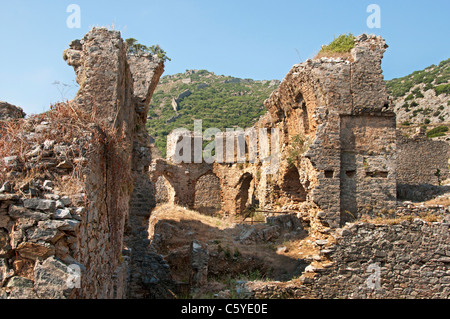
x,y
409,259
9,111
422,166
336,106
77,186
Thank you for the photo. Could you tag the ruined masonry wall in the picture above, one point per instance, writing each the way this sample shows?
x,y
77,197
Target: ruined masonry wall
x,y
92,227
407,260
419,159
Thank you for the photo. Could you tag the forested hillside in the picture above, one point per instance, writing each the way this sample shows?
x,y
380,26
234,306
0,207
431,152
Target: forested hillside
x,y
219,101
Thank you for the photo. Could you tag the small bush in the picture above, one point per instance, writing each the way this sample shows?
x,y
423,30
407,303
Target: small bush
x,y
136,48
409,97
427,87
442,89
437,131
339,47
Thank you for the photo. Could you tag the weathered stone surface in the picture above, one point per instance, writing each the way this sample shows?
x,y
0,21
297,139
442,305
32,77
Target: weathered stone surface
x,y
19,282
41,204
9,111
50,235
52,279
62,214
5,247
199,258
21,212
35,250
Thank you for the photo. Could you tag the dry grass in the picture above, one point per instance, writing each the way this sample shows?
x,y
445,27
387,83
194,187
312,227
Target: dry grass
x,y
443,200
65,124
426,216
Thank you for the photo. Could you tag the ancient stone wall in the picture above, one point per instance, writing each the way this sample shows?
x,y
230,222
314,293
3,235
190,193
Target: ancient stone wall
x,y
422,164
84,240
336,107
336,141
9,111
410,259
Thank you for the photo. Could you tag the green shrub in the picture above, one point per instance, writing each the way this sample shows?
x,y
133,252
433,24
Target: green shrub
x,y
135,48
442,89
437,131
429,86
417,93
342,44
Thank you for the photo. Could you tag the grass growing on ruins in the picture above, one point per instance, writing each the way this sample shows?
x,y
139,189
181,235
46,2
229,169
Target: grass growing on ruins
x,y
298,145
27,143
340,47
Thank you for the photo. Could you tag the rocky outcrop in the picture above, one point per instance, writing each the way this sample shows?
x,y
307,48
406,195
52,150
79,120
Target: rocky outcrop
x,y
9,111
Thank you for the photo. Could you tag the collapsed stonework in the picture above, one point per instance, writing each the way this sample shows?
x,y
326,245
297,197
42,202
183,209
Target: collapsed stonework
x,y
337,144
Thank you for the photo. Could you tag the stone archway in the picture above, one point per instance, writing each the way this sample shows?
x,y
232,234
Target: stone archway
x,y
207,196
291,186
245,193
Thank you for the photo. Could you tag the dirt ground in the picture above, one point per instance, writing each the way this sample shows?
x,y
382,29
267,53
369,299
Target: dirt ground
x,y
272,254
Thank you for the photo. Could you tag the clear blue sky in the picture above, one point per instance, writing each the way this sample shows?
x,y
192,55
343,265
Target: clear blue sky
x,y
258,39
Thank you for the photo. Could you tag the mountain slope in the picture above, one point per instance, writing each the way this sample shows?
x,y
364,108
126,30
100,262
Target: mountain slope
x,y
219,101
422,97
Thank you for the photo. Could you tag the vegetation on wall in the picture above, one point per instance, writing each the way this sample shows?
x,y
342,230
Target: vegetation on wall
x,y
134,47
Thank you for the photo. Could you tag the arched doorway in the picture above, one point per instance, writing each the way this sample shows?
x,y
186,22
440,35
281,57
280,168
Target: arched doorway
x,y
245,195
207,198
291,186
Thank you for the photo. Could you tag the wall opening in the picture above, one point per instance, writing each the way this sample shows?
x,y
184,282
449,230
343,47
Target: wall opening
x,y
377,174
329,174
292,187
245,196
350,174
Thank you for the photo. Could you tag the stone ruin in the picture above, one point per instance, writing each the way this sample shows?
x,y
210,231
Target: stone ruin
x,y
76,198
345,166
